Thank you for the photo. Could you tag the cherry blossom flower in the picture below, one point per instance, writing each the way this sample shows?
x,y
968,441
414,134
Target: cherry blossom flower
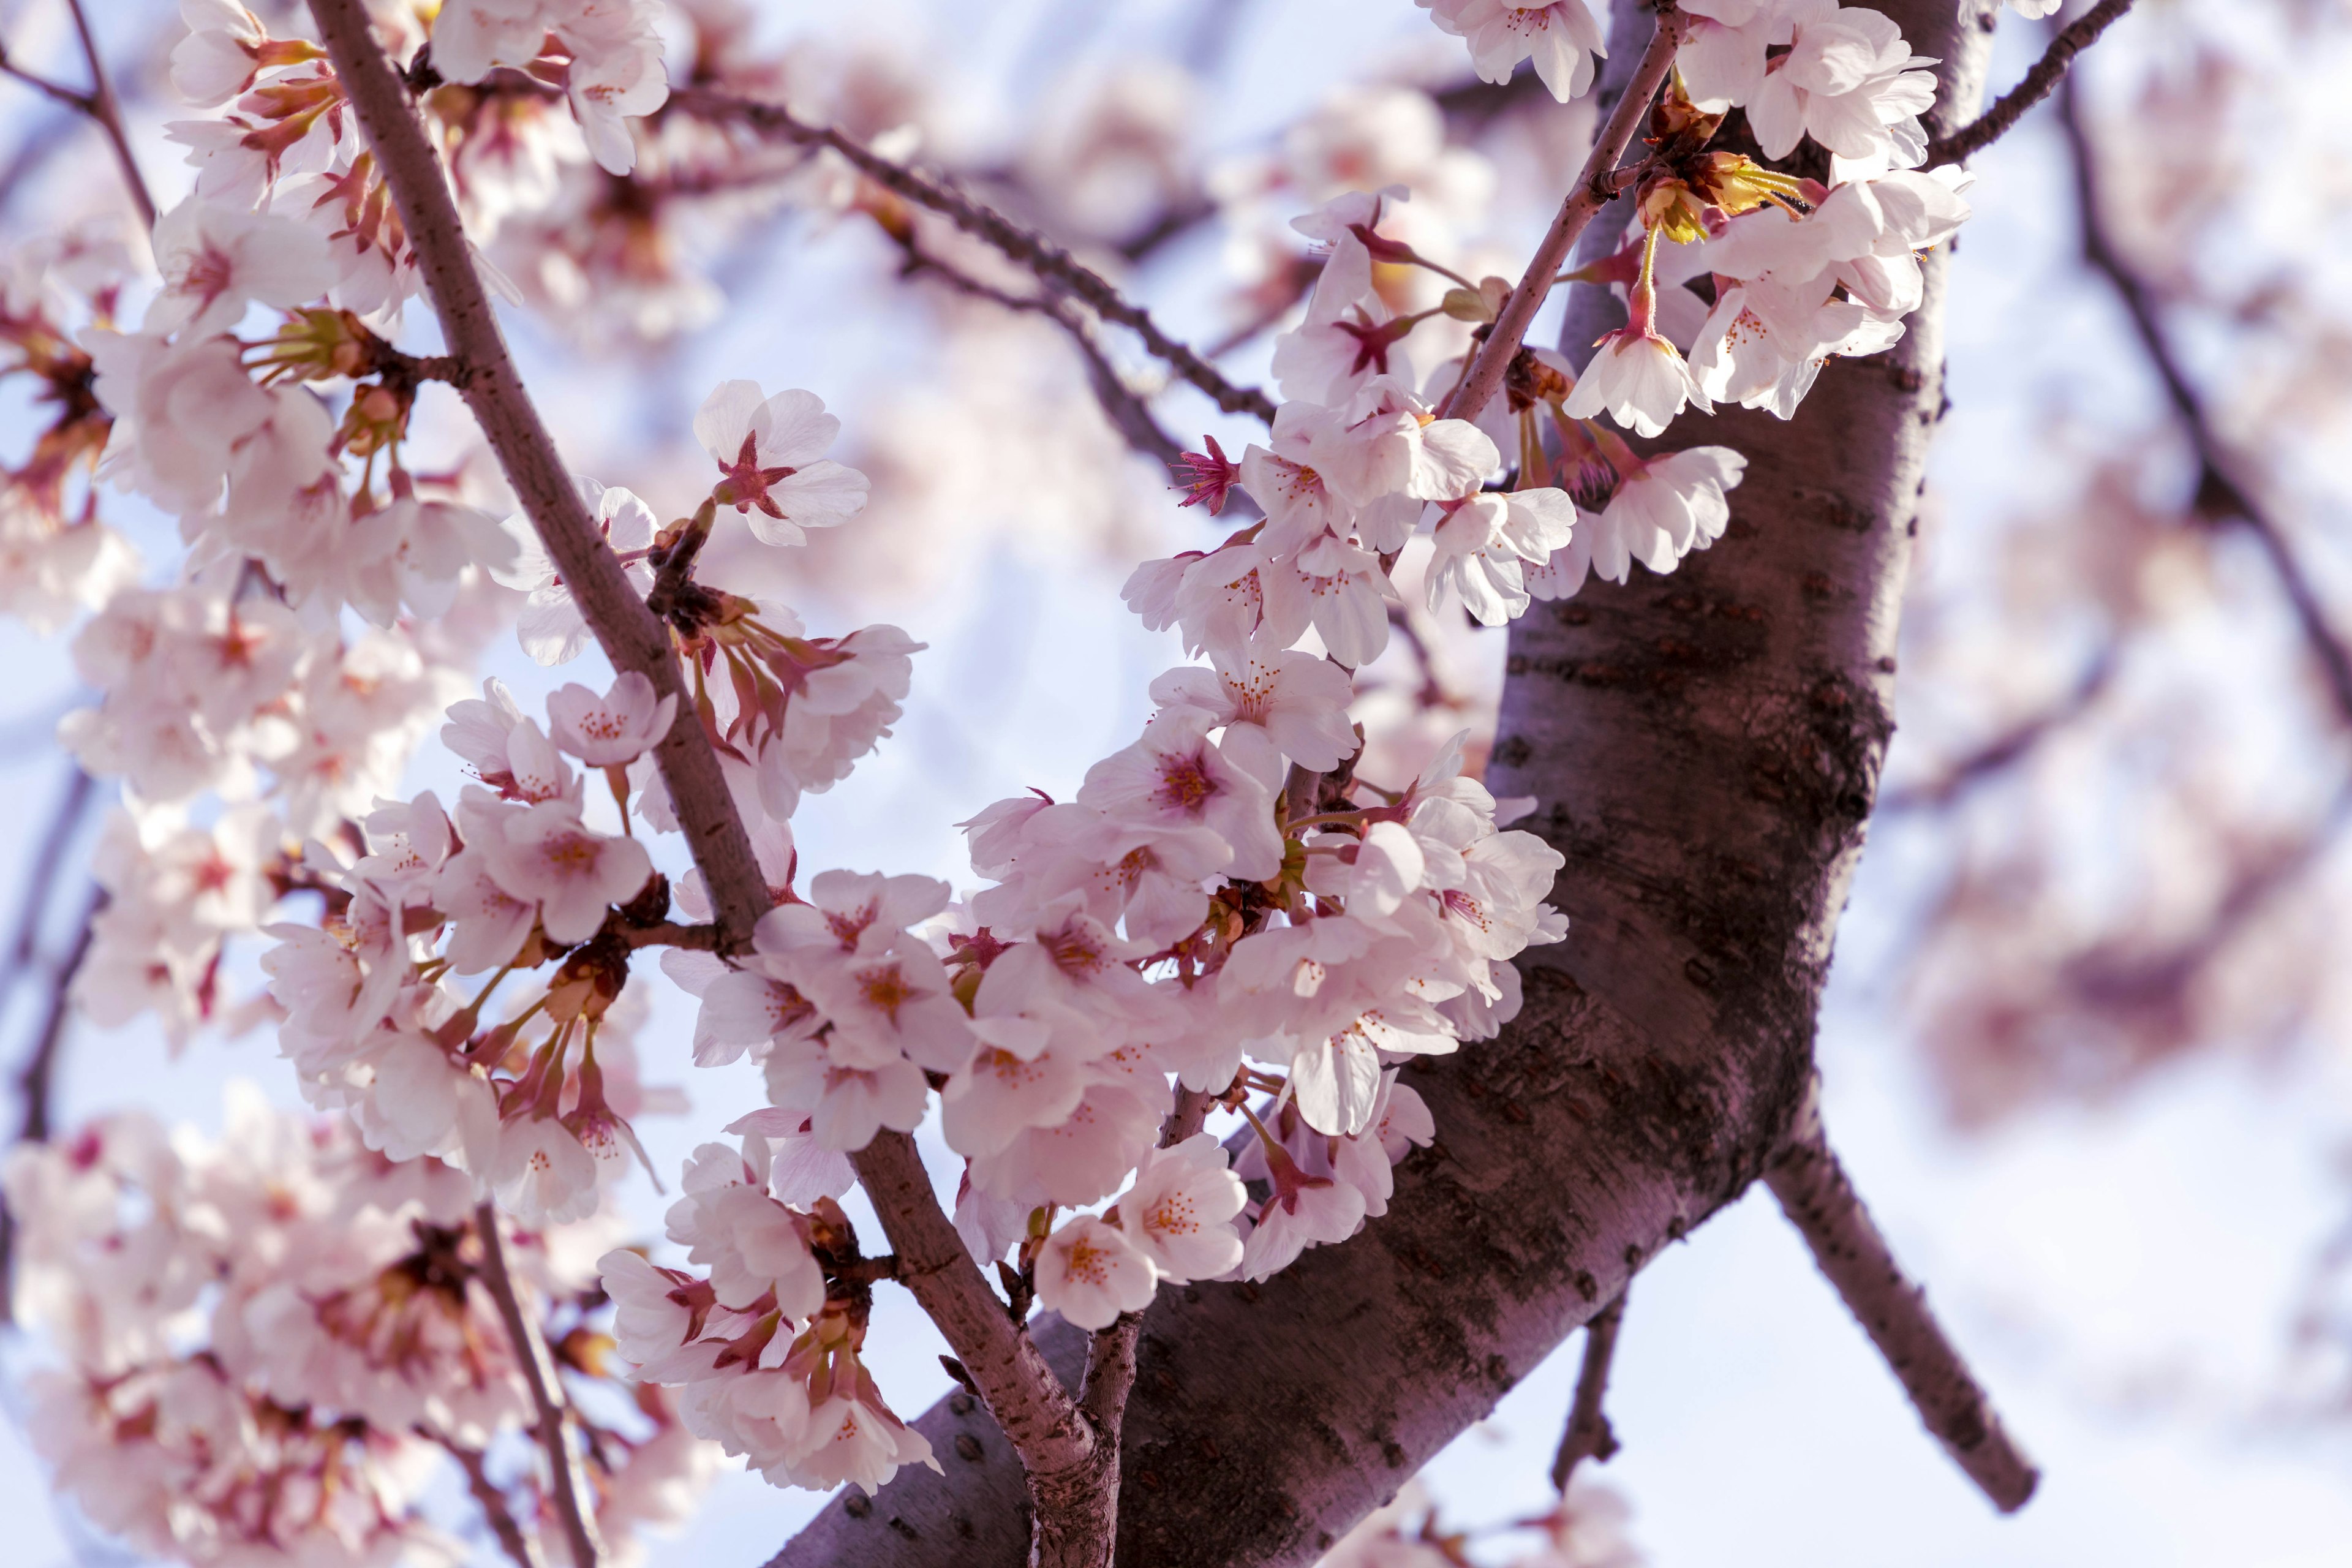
x,y
1180,1212
216,261
1301,1211
1274,704
1345,595
612,730
771,453
1175,776
544,854
179,411
1640,379
1484,543
1561,35
1346,338
1090,1273
1851,83
1384,441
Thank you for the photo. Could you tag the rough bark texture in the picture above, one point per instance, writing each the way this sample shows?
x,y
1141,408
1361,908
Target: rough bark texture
x,y
1705,749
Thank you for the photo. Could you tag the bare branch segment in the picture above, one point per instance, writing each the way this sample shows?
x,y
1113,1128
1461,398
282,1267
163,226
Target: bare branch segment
x,y
2031,89
1588,1435
566,1483
1053,266
1819,1200
2221,494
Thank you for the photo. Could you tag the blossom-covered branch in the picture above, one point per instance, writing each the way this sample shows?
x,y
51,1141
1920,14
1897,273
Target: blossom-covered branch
x,y
1035,1412
1596,187
1053,265
630,637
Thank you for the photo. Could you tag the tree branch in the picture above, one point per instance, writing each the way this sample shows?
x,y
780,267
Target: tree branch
x,y
1033,1408
1819,1200
520,1548
1595,188
1129,414
107,109
2031,89
1053,266
566,1482
1588,1435
36,1080
493,390
2220,493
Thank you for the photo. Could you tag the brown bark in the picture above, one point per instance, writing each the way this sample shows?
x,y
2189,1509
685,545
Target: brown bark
x,y
1705,749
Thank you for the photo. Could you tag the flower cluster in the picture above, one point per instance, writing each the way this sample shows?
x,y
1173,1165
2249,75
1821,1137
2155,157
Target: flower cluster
x,y
269,1344
763,1342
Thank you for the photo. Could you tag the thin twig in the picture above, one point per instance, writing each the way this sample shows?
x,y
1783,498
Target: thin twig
x,y
520,1548
1128,412
2007,748
2220,494
1588,1435
2036,85
1596,187
1819,1200
566,1482
99,104
41,880
36,1080
1053,266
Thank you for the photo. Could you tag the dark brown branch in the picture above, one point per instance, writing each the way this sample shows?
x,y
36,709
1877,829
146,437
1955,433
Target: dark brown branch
x,y
2007,749
2036,85
520,1550
1588,1435
2220,493
1595,188
566,1483
1054,266
1819,1199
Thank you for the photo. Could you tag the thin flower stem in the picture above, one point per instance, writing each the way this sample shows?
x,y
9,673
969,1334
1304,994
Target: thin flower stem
x,y
566,1481
1595,188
